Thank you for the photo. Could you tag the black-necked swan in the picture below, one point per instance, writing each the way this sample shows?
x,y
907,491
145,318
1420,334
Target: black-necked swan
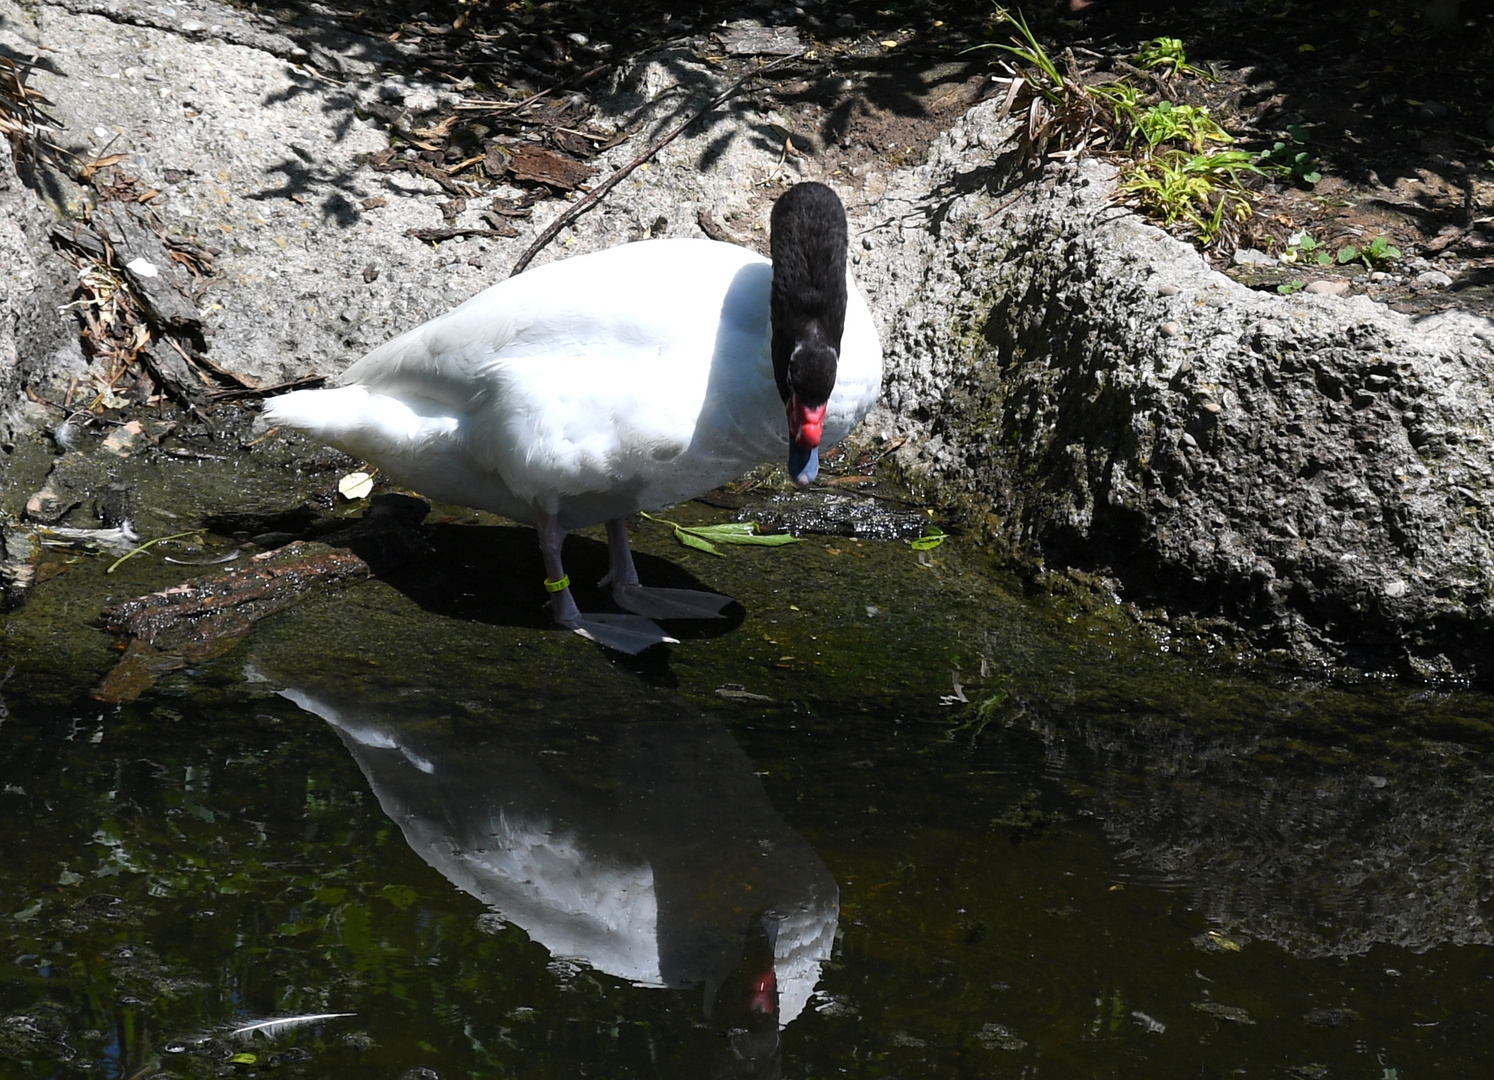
x,y
629,379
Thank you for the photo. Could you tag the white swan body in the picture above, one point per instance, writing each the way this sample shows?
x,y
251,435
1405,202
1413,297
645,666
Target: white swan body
x,y
587,389
626,380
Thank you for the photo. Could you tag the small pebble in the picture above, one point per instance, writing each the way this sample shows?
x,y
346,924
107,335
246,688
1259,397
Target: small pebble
x,y
1210,406
122,439
1252,257
1434,278
1168,290
1171,329
1379,275
1328,288
46,506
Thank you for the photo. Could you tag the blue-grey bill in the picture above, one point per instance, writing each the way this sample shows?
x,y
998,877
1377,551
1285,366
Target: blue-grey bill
x,y
804,465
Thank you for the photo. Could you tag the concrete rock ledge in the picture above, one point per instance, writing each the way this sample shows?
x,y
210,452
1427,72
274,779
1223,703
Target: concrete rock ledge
x,y
1310,475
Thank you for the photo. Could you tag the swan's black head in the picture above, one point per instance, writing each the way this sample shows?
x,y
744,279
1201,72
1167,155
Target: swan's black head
x,y
809,313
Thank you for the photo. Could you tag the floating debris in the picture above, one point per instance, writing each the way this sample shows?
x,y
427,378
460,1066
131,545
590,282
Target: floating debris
x,y
738,692
355,485
1149,1024
999,1037
276,1026
1331,1018
1213,941
121,540
1231,1013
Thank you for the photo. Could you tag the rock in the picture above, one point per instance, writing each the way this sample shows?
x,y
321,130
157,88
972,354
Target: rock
x,y
1171,329
47,507
1433,279
1327,288
1252,257
747,39
20,553
255,157
121,440
37,336
1351,448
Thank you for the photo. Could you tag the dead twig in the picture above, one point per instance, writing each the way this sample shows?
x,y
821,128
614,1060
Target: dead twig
x,y
617,177
305,382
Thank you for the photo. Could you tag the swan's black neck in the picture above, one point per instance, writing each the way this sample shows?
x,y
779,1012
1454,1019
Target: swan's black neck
x,y
809,291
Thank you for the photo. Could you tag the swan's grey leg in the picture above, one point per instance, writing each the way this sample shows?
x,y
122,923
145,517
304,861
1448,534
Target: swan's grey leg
x,y
552,537
622,579
621,573
625,633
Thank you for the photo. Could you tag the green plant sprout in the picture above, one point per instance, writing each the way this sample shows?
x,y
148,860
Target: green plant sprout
x,y
1166,122
1052,85
1176,173
1166,54
1203,190
1289,160
1122,98
1061,110
1304,249
1377,252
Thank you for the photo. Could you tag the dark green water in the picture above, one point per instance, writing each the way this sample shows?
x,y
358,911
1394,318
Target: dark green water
x,y
506,853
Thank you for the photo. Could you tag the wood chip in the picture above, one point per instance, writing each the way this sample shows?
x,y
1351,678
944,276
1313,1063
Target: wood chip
x,y
495,160
171,372
436,235
499,225
535,163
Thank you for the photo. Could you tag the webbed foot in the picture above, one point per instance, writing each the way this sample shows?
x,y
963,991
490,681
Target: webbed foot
x,y
669,603
629,634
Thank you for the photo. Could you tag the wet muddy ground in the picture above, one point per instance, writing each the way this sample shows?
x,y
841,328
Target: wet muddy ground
x,y
891,817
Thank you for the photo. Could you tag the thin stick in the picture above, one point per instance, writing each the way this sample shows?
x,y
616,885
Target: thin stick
x,y
596,194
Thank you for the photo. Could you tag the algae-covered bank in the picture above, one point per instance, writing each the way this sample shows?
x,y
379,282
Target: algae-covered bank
x,y
890,816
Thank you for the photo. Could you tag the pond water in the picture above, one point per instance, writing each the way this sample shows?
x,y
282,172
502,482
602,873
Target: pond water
x,y
467,845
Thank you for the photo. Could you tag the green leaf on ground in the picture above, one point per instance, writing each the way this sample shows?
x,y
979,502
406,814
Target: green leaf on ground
x,y
706,537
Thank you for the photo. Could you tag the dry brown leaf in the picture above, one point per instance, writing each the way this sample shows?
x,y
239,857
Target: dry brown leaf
x,y
85,174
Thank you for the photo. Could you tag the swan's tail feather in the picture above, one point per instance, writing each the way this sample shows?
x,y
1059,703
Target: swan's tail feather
x,y
366,425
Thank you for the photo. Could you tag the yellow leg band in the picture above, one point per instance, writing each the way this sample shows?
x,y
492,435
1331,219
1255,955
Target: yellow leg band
x,y
560,585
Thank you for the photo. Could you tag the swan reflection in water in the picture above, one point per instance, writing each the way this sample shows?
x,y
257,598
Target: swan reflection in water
x,y
646,849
